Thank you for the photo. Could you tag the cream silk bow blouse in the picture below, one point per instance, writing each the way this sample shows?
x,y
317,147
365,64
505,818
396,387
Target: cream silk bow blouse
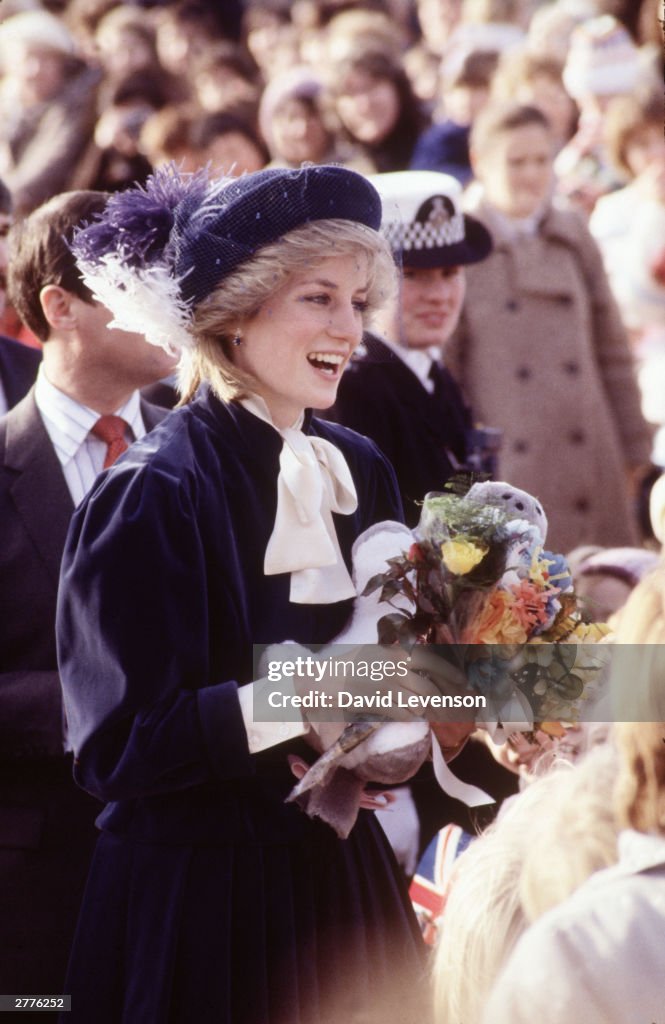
x,y
314,481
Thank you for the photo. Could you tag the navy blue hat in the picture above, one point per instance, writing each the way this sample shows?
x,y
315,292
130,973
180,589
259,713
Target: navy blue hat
x,y
256,209
168,245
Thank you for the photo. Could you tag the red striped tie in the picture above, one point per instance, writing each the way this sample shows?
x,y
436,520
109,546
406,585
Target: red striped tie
x,y
111,430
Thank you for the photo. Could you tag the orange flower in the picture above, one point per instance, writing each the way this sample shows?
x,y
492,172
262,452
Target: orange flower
x,y
530,604
497,623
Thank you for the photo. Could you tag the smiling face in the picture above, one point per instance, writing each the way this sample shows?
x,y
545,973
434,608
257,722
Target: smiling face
x,y
368,107
515,169
299,342
430,305
297,132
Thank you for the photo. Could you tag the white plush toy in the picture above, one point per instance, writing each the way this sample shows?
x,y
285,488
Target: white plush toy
x,y
370,554
382,541
365,752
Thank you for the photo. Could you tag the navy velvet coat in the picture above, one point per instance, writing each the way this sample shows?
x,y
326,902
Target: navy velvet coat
x,y
162,597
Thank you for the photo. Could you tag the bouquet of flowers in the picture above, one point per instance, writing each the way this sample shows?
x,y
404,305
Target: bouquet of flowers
x,y
478,579
475,580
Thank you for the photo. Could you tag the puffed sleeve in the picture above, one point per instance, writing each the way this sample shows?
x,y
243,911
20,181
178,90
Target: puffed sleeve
x,y
143,716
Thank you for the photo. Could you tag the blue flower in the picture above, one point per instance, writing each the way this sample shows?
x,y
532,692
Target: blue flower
x,y
559,573
490,677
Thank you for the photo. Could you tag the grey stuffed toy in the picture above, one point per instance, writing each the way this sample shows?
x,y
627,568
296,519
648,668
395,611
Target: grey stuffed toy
x,y
518,504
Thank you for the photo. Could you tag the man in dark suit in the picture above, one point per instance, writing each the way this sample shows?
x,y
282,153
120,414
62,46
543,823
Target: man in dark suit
x,y
18,363
18,371
397,390
83,410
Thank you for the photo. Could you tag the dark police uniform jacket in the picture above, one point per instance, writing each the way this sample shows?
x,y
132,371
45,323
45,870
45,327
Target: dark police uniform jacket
x,y
423,435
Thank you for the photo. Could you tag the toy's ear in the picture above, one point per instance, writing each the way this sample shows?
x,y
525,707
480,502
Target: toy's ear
x,y
493,492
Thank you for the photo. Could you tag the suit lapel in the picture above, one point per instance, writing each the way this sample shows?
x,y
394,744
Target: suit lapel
x,y
39,490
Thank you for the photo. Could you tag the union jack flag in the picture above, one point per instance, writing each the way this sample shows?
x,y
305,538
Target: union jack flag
x,y
429,887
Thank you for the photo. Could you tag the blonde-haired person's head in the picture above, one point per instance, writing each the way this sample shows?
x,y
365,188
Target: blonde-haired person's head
x,y
638,697
633,131
483,916
482,921
486,911
239,297
637,682
576,836
640,790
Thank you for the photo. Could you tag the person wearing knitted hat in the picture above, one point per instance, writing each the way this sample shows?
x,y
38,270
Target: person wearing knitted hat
x,y
602,63
230,526
294,122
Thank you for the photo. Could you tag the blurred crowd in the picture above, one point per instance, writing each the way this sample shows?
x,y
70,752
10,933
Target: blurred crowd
x,y
94,94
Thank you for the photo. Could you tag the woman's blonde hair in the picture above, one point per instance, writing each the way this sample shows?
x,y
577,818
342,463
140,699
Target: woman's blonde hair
x,y
638,653
638,697
239,297
486,911
576,834
640,792
482,920
626,117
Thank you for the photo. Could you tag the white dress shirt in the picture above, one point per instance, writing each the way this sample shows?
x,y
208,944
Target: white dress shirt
x,y
68,424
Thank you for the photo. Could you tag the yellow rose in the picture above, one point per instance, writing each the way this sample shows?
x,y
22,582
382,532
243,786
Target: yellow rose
x,y
461,556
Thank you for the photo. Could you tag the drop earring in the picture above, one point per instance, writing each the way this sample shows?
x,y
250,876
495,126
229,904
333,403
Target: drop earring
x,y
237,338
